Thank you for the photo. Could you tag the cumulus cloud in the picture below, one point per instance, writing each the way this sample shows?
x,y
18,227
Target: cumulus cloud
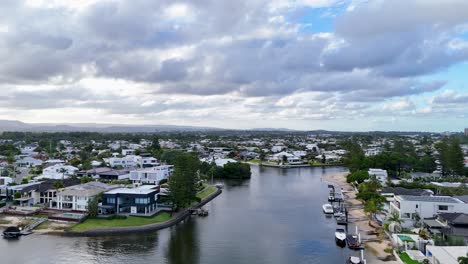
x,y
196,58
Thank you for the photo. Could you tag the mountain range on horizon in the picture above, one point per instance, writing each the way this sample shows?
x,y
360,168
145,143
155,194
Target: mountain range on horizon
x,y
15,125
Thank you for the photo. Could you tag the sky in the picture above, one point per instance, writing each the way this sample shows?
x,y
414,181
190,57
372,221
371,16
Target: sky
x,y
350,65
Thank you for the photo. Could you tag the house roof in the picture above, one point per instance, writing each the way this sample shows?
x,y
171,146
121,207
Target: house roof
x,y
143,189
455,218
405,191
86,189
437,199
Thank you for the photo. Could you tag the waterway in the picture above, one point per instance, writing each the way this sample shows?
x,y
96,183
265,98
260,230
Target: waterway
x,y
275,217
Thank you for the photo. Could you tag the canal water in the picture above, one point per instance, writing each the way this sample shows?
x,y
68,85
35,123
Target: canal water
x,y
275,217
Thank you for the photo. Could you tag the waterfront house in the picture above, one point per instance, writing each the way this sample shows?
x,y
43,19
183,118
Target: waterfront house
x,y
410,207
445,255
151,175
76,197
141,200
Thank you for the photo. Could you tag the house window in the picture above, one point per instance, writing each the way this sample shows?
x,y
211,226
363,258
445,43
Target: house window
x,y
142,200
110,200
443,207
416,206
406,215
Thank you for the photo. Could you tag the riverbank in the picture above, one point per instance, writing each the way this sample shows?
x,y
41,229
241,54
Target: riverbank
x,y
118,230
359,218
290,166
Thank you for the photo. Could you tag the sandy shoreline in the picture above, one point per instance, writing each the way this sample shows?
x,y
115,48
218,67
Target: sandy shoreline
x,y
374,250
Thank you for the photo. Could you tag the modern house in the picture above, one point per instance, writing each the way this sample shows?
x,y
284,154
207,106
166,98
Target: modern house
x,y
410,207
58,171
105,174
141,200
380,175
76,197
291,158
445,255
33,193
151,175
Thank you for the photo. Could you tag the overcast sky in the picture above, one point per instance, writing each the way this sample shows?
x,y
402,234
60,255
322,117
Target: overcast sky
x,y
301,64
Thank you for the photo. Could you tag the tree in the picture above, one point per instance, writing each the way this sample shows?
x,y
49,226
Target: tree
x,y
183,182
357,176
58,184
93,206
285,159
373,206
262,156
394,218
463,260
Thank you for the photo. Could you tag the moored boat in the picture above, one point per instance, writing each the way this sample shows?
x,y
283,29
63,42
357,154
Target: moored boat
x,y
327,209
353,241
11,232
340,236
353,260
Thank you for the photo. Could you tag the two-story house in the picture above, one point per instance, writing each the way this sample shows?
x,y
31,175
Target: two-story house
x,y
410,207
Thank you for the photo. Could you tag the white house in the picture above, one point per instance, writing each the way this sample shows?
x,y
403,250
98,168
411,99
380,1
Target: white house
x,y
445,255
277,148
291,159
4,181
312,147
29,162
380,174
126,162
126,152
151,175
221,162
408,206
144,162
76,197
58,171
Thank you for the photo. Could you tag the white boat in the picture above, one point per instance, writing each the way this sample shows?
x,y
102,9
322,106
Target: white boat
x,y
327,208
340,235
354,260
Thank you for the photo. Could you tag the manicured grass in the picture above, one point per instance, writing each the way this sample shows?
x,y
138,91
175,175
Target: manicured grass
x,y
406,259
96,223
254,161
208,190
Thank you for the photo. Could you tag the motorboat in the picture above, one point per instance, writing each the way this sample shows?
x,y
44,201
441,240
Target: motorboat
x,y
12,232
328,209
353,241
353,260
340,235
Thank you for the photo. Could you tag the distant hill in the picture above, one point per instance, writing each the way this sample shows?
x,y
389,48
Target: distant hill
x,y
12,125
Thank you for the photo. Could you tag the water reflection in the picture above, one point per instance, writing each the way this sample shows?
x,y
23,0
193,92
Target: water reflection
x,y
183,245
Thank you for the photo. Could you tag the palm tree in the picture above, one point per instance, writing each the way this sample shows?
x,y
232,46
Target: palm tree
x,y
372,207
394,218
63,170
463,260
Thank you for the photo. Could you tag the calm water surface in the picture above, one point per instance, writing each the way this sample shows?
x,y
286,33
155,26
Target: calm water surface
x,y
275,217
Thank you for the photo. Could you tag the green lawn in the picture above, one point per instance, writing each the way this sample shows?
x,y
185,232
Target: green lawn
x,y
406,259
96,223
208,190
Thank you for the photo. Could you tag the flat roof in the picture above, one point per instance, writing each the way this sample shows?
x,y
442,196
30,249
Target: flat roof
x,y
437,199
143,189
448,255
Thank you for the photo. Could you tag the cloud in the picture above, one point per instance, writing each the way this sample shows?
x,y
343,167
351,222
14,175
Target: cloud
x,y
156,59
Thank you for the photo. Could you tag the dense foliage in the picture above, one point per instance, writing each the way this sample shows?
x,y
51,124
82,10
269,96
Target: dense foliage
x,y
232,170
184,182
357,176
